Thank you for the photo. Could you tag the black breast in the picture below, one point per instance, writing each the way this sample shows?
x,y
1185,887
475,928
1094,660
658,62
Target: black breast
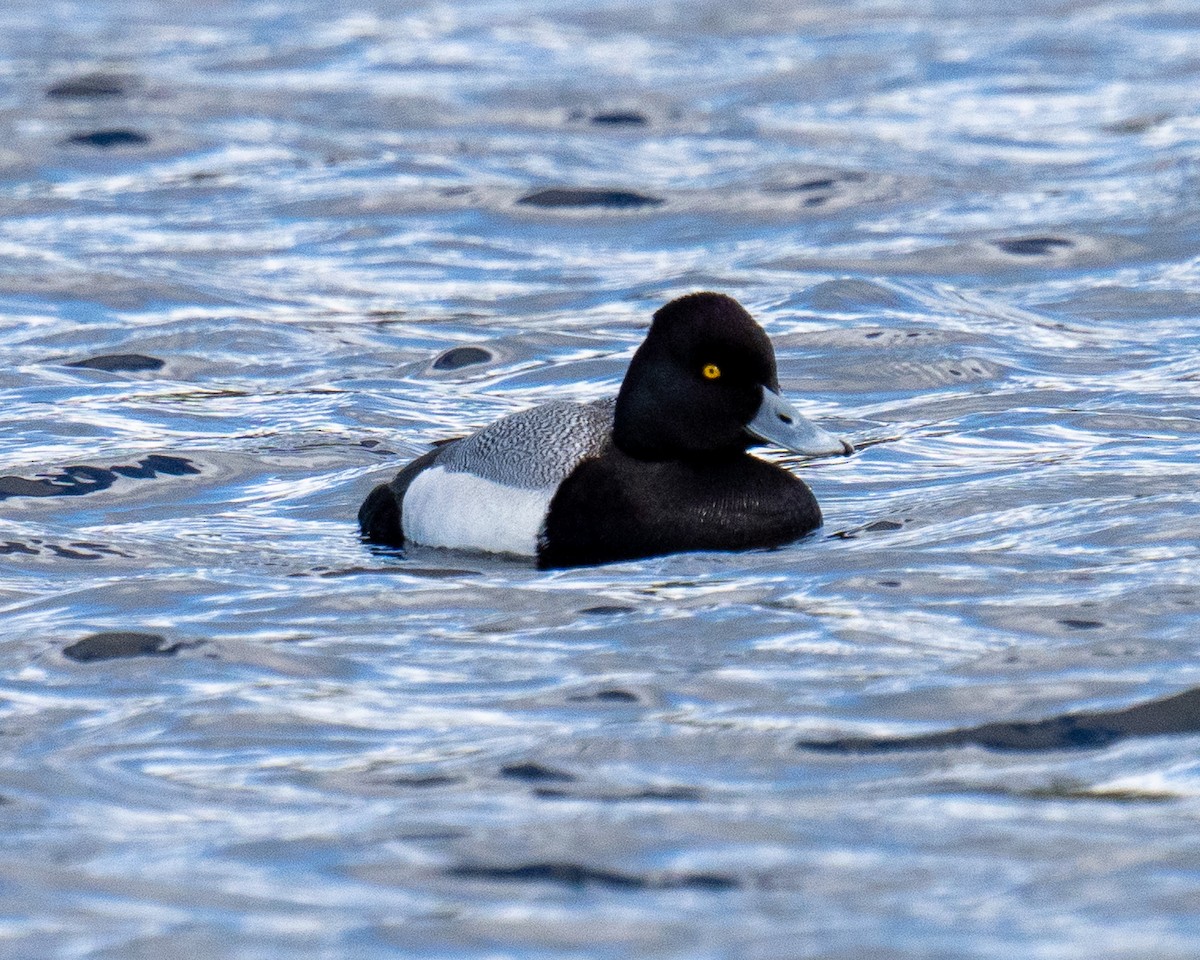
x,y
616,507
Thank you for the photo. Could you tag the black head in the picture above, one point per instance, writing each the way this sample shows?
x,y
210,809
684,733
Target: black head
x,y
696,382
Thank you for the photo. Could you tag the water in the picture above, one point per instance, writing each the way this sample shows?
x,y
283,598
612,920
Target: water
x,y
973,238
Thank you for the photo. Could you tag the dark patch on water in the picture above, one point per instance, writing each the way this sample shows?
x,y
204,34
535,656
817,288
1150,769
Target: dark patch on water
x,y
120,362
78,480
119,644
824,183
577,875
589,198
532,772
73,551
620,118
876,526
68,554
430,780
100,548
811,184
1034,246
610,695
1060,791
1081,624
607,610
155,464
459,357
107,139
1088,730
674,794
89,86
1134,125
821,188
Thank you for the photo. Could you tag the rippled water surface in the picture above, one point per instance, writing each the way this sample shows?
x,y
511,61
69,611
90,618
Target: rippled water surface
x,y
238,240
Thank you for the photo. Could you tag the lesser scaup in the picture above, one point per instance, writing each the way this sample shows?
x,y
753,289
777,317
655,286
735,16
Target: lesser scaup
x,y
662,468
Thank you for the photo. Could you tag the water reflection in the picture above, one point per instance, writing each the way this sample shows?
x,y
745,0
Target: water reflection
x,y
256,256
1089,730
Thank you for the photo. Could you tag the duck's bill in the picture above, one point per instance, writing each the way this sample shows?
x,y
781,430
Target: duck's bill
x,y
778,422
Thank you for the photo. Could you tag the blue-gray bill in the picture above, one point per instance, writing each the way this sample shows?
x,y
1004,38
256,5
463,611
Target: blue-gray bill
x,y
778,422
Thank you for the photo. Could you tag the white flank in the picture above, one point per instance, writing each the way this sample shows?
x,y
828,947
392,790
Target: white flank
x,y
465,512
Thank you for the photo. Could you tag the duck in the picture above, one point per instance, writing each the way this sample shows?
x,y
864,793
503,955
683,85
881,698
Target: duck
x,y
663,467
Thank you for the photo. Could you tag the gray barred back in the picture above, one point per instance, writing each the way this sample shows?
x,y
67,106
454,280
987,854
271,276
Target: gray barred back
x,y
534,448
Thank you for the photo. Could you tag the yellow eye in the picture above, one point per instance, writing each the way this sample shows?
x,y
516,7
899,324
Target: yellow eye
x,y
711,371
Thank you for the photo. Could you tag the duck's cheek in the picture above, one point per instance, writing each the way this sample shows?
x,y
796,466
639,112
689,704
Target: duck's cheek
x,y
465,512
718,420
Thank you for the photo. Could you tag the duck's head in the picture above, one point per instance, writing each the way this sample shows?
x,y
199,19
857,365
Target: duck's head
x,y
704,384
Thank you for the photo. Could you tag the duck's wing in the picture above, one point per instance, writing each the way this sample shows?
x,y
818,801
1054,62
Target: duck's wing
x,y
533,449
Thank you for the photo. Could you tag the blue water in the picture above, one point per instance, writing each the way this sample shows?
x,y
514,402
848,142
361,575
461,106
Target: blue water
x,y
975,240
